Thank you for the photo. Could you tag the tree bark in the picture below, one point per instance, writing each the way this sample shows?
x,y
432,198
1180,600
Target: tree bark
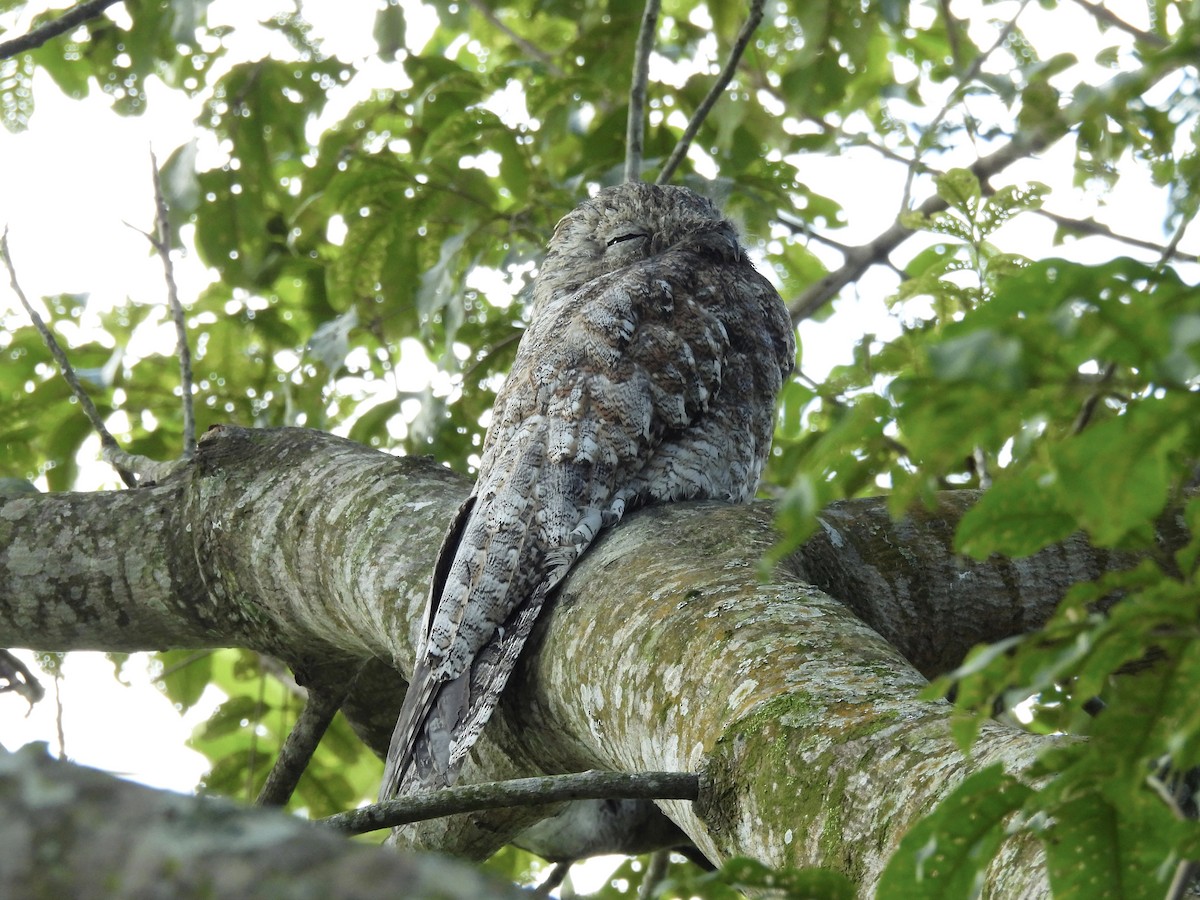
x,y
664,650
67,831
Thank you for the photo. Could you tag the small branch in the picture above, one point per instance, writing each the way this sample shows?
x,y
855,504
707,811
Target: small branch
x,y
1088,409
1172,249
67,21
591,785
301,743
656,871
952,26
956,95
635,128
1101,14
715,92
553,880
162,244
15,677
1098,229
526,47
146,469
107,441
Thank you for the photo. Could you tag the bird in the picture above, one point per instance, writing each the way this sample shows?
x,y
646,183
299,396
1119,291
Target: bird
x,y
648,372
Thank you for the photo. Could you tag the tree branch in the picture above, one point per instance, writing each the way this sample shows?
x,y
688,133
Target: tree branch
x,y
74,16
107,441
714,93
99,825
518,792
321,706
966,78
526,47
161,241
1099,229
635,128
317,550
859,259
1101,14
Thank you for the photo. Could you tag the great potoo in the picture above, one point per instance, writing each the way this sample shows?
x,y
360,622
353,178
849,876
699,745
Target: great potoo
x,y
648,372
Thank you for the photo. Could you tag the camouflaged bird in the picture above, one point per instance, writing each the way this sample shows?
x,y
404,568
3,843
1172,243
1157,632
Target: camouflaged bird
x,y
648,373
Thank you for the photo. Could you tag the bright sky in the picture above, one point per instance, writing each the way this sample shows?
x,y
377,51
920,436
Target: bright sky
x,y
87,173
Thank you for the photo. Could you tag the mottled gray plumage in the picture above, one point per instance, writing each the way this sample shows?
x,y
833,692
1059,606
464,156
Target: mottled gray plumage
x,y
649,372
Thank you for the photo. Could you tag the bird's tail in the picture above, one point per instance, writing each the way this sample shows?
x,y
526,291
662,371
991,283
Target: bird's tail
x,y
441,720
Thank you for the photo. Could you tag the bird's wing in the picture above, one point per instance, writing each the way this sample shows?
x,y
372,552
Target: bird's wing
x,y
600,381
414,700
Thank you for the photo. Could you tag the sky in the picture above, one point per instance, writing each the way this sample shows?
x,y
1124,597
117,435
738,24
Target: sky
x,y
67,226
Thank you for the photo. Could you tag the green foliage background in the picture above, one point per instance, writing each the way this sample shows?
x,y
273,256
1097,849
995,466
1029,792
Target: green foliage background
x,y
1066,390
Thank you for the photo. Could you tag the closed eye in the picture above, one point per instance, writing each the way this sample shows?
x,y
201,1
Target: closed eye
x,y
626,237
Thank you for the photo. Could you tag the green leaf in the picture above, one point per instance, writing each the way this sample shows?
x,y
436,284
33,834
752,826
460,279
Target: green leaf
x,y
389,30
1114,476
1091,852
185,675
983,356
1017,516
947,852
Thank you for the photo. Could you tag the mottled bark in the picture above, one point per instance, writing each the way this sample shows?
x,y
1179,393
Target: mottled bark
x,y
67,831
664,650
904,579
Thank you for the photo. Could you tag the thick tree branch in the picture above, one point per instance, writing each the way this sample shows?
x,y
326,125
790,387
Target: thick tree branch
x,y
116,839
73,17
663,651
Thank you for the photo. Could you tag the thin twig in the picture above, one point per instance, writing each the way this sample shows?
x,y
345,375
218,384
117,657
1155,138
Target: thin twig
x,y
656,871
1098,229
58,715
714,93
68,20
591,785
1172,249
635,128
553,880
967,77
162,244
526,47
301,743
1088,408
1101,14
107,441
